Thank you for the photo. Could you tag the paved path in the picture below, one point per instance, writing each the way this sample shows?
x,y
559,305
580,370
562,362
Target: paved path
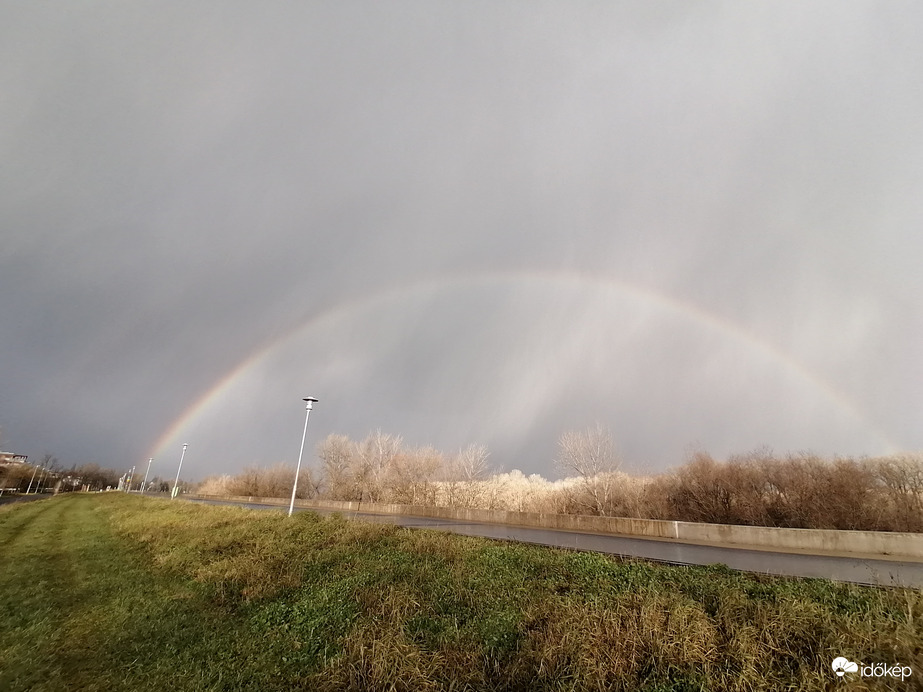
x,y
878,572
7,499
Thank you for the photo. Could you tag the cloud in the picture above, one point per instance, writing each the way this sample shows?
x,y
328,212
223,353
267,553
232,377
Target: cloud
x,y
183,187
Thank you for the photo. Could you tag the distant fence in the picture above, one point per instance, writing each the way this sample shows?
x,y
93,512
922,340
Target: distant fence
x,y
815,541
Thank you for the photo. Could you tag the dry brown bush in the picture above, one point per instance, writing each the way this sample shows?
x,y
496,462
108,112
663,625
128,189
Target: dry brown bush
x,y
216,486
794,491
900,480
275,481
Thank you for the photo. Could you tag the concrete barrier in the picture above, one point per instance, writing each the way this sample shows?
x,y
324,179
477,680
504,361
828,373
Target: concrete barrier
x,y
815,541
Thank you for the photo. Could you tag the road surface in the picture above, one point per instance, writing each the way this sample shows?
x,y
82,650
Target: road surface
x,y
10,498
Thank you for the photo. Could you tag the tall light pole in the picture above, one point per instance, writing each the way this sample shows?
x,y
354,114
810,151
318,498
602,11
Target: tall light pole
x,y
34,471
176,482
144,482
307,409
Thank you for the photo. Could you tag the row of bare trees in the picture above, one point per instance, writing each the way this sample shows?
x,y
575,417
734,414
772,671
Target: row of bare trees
x,y
381,468
49,474
760,488
796,491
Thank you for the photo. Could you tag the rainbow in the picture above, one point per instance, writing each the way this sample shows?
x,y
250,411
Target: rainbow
x,y
668,304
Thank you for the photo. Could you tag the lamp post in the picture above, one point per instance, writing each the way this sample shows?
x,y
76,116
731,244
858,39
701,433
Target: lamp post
x,y
131,479
176,482
144,482
34,471
309,401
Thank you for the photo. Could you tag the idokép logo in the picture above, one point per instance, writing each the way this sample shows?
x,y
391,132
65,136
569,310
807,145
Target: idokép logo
x,y
841,666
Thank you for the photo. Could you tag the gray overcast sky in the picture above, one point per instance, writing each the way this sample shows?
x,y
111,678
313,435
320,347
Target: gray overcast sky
x,y
696,223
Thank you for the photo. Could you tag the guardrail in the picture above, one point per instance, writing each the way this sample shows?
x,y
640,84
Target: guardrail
x,y
814,541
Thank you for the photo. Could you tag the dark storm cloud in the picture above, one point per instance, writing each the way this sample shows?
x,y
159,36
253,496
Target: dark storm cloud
x,y
182,186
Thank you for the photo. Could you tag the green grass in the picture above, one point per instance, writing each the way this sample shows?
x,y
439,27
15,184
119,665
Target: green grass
x,y
125,593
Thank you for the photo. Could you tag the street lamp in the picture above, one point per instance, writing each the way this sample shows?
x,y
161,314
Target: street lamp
x,y
183,456
144,482
38,486
34,471
307,408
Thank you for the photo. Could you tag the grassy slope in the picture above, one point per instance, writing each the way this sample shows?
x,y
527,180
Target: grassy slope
x,y
81,609
114,592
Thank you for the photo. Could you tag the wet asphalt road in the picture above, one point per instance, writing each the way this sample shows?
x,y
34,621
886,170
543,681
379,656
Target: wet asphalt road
x,y
10,499
877,572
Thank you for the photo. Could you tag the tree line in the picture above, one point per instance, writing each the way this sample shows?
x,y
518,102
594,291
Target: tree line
x,y
49,474
760,488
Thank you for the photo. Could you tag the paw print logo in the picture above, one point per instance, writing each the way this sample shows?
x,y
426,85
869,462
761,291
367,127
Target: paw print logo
x,y
841,666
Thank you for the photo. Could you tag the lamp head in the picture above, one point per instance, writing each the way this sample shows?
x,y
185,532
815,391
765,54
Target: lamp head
x,y
309,402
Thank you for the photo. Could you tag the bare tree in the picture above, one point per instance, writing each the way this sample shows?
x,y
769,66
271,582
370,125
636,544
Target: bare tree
x,y
699,491
590,453
96,478
472,462
410,477
463,476
376,457
901,479
339,465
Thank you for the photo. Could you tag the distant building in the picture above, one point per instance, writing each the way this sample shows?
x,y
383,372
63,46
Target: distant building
x,y
8,458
